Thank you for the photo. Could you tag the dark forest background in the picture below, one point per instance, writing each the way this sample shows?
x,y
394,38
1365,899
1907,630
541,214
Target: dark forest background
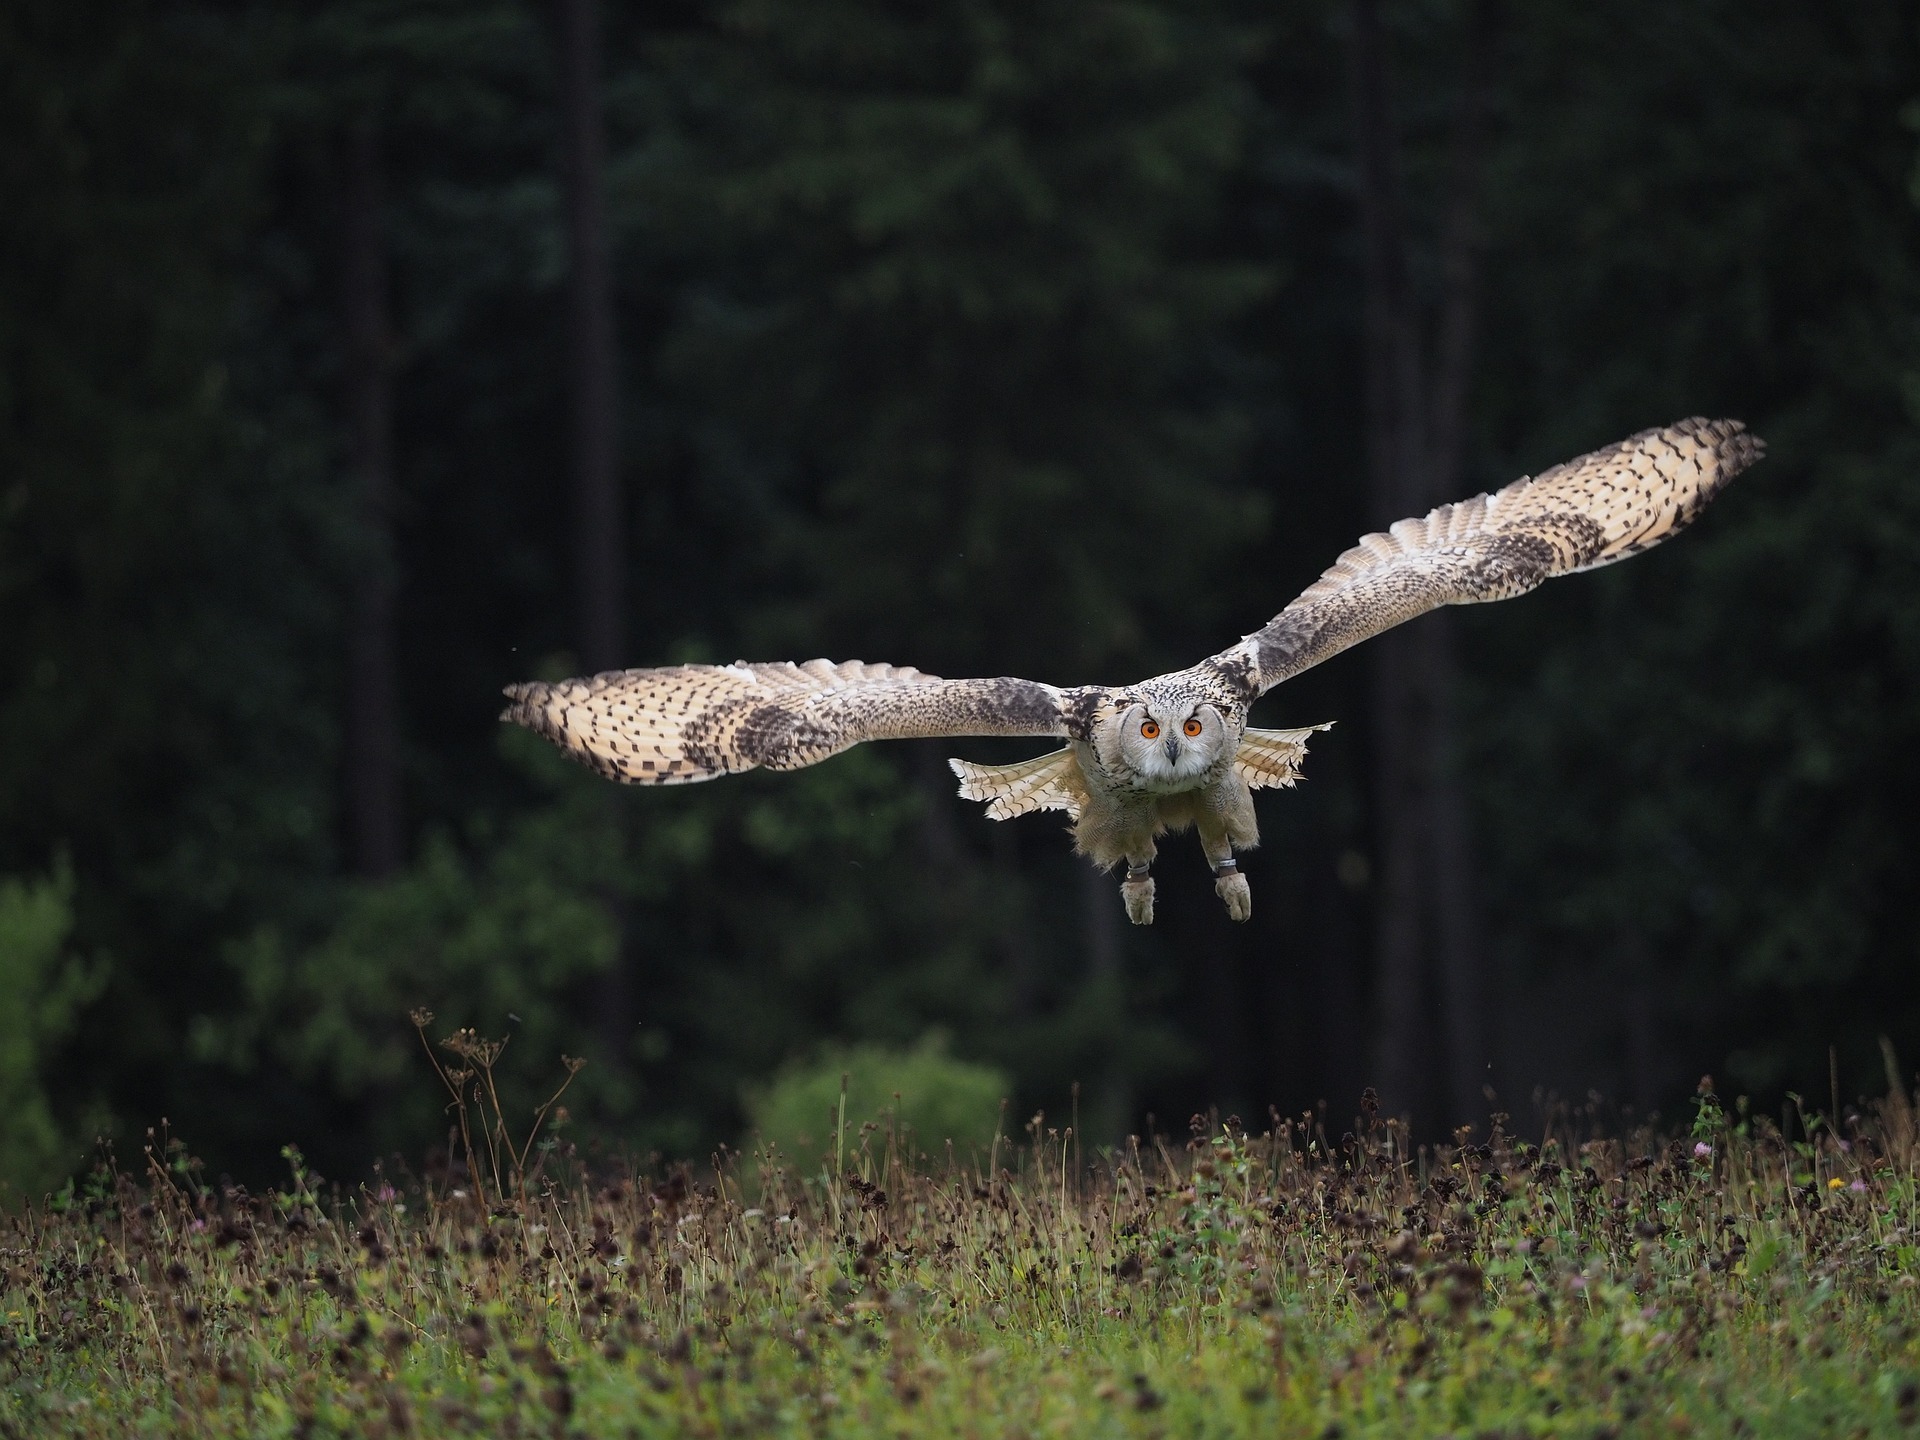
x,y
359,358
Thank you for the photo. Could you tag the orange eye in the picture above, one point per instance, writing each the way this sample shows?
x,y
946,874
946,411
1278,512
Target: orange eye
x,y
1192,727
1151,729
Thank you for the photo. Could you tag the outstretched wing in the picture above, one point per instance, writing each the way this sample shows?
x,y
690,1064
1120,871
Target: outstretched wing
x,y
682,723
1589,512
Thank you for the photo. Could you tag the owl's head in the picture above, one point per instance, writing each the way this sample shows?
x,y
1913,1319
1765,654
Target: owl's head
x,y
1167,744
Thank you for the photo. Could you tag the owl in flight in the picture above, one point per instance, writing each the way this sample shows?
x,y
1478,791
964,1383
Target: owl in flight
x,y
1171,752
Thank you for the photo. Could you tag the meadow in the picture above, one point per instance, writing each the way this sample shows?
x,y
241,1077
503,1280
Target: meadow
x,y
1749,1277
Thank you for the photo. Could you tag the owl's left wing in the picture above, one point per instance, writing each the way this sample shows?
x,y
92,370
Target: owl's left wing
x,y
1589,512
682,723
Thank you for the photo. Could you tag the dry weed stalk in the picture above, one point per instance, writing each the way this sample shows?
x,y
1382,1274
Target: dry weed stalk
x,y
476,1100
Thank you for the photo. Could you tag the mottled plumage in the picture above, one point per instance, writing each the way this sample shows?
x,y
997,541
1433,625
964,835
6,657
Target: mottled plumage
x,y
1173,751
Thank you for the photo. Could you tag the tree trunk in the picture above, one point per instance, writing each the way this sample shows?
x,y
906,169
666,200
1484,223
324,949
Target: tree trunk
x,y
1394,404
1640,1019
1338,1027
1427,943
593,385
599,554
373,705
1459,950
1461,946
1010,869
1402,813
1109,1109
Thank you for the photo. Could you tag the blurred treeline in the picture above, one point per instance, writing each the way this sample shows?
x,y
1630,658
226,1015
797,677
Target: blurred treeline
x,y
992,338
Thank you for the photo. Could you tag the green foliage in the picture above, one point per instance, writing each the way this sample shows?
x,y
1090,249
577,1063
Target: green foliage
x,y
161,558
44,986
957,310
1239,1286
982,336
917,1099
1696,768
514,929
506,933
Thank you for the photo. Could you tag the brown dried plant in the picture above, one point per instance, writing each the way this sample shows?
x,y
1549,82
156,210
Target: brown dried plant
x,y
514,1166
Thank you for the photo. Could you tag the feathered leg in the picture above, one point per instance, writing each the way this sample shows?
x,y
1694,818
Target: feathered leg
x,y
1228,883
1136,891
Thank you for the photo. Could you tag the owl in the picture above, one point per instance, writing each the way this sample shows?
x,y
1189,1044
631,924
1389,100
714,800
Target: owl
x,y
1174,752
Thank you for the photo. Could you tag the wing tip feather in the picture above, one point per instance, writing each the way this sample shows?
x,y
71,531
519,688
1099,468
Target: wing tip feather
x,y
1734,447
526,709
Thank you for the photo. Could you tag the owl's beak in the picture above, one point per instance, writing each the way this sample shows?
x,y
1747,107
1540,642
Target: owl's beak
x,y
1173,751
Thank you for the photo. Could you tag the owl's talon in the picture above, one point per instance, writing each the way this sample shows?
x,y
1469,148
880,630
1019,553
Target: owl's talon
x,y
1231,886
1138,895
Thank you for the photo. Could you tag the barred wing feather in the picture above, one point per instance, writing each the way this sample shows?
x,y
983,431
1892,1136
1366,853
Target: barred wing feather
x,y
678,724
1586,513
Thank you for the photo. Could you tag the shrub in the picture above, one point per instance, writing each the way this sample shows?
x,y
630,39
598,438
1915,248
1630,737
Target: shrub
x,y
923,1094
43,988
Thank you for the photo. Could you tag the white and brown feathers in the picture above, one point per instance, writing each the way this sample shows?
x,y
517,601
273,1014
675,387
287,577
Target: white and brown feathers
x,y
683,723
1581,515
1055,781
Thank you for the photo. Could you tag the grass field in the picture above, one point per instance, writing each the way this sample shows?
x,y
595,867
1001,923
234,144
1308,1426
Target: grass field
x,y
1734,1281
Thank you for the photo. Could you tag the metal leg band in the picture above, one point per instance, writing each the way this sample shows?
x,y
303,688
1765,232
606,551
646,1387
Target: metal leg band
x,y
1225,868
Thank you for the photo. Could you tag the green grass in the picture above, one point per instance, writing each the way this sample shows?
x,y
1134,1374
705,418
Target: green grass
x,y
1267,1285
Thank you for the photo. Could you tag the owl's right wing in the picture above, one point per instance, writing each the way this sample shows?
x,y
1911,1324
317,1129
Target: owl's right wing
x,y
1586,513
681,723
